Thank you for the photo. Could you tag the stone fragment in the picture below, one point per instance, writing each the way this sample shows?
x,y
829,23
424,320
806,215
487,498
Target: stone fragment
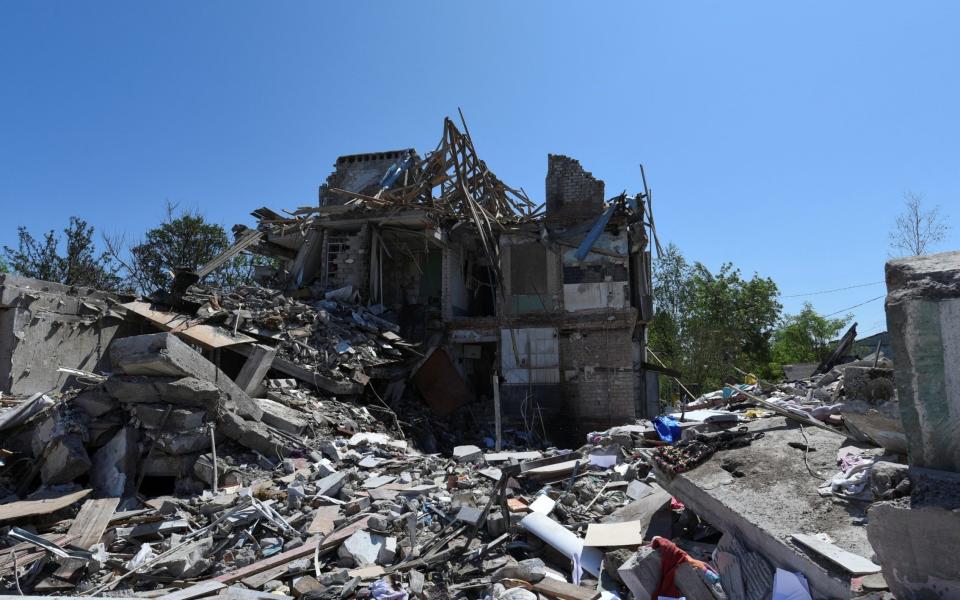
x,y
467,453
641,573
253,435
95,402
531,570
164,354
113,471
179,391
331,484
307,584
889,480
183,442
281,416
155,416
64,460
923,318
691,584
365,548
190,561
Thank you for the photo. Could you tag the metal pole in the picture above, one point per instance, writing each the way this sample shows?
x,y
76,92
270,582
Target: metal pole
x,y
496,410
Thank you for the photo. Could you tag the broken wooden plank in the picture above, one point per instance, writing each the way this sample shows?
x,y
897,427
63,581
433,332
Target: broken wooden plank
x,y
563,590
208,336
255,368
32,508
307,548
203,588
92,520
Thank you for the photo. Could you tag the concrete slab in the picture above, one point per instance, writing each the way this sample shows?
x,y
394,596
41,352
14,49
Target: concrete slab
x,y
282,416
776,497
164,354
923,317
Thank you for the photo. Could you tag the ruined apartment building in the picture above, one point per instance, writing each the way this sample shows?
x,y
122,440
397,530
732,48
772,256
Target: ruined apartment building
x,y
564,336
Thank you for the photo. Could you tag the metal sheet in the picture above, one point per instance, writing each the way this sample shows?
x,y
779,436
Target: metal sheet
x,y
441,385
210,336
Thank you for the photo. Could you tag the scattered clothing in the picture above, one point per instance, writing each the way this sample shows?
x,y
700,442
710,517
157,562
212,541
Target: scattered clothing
x,y
671,557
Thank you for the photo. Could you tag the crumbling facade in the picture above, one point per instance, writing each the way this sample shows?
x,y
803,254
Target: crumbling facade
x,y
544,310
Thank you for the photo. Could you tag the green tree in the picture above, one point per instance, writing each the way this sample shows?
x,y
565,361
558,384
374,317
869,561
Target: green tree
x,y
729,325
671,293
805,337
707,325
185,240
80,265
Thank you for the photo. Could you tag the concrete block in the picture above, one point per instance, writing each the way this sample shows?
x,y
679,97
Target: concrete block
x,y
255,368
113,472
65,459
282,416
923,318
915,539
307,585
153,416
690,582
364,548
182,442
331,484
253,435
467,453
226,475
332,451
45,325
161,464
531,570
496,524
164,354
179,391
95,402
642,572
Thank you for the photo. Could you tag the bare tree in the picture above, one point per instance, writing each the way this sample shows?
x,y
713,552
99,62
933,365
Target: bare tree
x,y
916,228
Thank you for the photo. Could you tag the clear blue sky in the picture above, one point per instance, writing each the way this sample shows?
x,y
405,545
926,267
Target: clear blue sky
x,y
777,136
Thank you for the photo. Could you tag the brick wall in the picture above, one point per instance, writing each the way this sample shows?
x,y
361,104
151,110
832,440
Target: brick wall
x,y
344,260
598,383
358,173
572,193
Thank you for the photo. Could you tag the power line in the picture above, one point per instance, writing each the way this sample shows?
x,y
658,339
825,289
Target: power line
x,y
849,287
855,306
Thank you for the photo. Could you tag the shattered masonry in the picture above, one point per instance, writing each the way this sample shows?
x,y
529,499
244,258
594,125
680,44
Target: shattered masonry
x,y
381,417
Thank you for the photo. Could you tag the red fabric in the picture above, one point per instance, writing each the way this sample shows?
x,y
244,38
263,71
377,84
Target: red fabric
x,y
671,557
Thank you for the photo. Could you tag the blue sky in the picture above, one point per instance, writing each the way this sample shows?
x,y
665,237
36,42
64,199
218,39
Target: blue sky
x,y
777,136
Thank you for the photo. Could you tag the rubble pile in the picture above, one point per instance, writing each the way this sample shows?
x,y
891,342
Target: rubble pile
x,y
332,336
302,496
297,495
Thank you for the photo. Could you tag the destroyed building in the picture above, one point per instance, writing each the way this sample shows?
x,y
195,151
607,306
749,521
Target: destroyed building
x,y
544,307
399,410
